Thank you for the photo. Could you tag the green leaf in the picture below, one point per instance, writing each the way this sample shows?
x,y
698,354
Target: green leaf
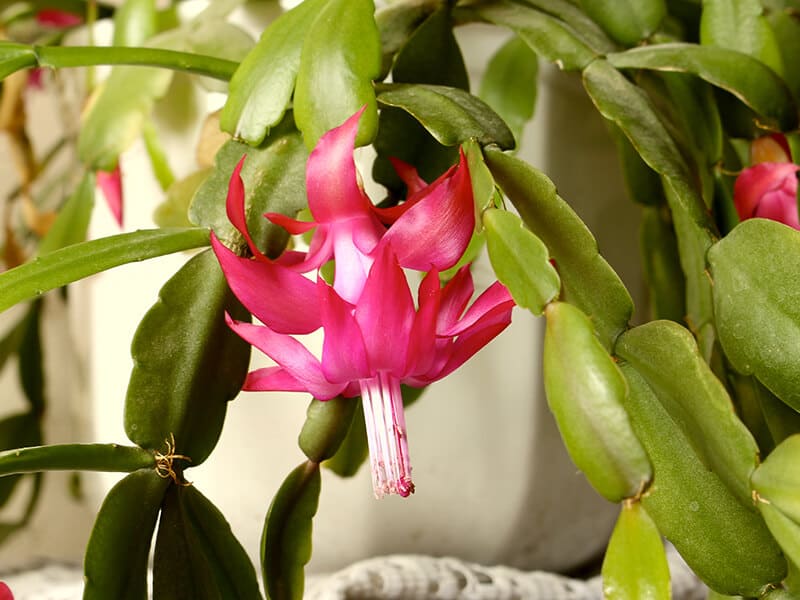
x,y
629,21
509,84
731,70
635,565
187,362
578,21
587,279
31,358
134,22
286,542
786,26
757,303
740,25
623,103
73,218
27,458
585,391
786,532
157,155
197,556
484,190
520,260
723,541
430,56
353,449
777,479
75,262
174,210
666,356
642,183
117,113
16,431
326,426
451,115
548,37
341,56
662,267
274,181
14,57
262,86
115,565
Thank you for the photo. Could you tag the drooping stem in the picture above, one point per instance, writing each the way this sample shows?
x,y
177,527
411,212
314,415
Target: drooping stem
x,y
386,435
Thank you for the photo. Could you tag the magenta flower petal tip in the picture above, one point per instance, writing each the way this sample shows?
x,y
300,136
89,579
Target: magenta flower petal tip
x,y
374,336
110,183
5,592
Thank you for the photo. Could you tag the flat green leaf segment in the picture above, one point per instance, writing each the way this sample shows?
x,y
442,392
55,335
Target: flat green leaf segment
x,y
262,86
341,56
585,392
626,21
520,260
75,457
745,77
196,555
757,303
326,426
73,218
587,280
546,35
274,181
286,542
666,356
724,541
452,116
115,565
187,363
635,564
75,262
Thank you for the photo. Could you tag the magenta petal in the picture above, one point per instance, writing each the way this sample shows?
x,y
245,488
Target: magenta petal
x,y
280,298
755,181
272,379
53,17
495,297
422,339
385,312
437,229
235,208
331,179
344,356
290,355
779,206
293,226
469,342
455,296
110,183
408,174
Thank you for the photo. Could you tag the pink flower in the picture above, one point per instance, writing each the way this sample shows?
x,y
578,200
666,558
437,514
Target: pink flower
x,y
375,336
768,189
57,19
110,183
5,592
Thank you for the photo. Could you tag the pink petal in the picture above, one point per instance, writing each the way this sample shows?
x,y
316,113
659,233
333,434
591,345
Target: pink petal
x,y
435,231
414,184
385,313
110,183
53,17
455,296
468,343
290,355
422,339
293,226
235,208
495,297
755,181
5,592
776,206
344,356
280,298
331,179
272,379
352,265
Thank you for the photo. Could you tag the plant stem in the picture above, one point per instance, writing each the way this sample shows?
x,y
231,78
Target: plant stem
x,y
57,57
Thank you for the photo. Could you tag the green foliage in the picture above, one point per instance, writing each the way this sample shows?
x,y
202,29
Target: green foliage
x,y
635,564
187,363
585,391
326,426
628,21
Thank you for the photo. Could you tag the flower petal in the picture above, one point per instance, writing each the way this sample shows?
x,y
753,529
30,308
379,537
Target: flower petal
x,y
280,298
344,356
755,181
272,379
291,356
385,314
422,339
775,206
495,297
331,179
235,208
110,183
436,230
293,226
455,296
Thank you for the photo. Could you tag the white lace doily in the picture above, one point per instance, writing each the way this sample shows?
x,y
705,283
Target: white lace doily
x,y
398,577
